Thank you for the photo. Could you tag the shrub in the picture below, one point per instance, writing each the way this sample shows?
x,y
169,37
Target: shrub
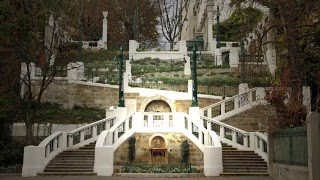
x,y
132,148
185,152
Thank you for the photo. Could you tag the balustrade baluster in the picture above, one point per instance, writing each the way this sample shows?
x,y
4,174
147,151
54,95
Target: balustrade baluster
x,y
209,112
70,137
245,141
260,144
236,103
223,108
94,131
81,136
222,132
126,126
234,137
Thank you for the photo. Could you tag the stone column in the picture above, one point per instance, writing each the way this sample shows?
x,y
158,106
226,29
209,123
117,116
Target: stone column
x,y
105,29
234,58
210,33
218,54
313,134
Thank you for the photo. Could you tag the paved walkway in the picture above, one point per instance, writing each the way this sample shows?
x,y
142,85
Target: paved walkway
x,y
18,177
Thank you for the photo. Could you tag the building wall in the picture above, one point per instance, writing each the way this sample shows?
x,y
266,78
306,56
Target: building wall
x,y
174,140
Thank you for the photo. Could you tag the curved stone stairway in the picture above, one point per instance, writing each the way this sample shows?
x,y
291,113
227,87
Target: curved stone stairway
x,y
72,162
241,162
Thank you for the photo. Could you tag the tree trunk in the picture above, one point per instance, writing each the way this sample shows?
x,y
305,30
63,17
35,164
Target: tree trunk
x,y
171,45
296,64
29,124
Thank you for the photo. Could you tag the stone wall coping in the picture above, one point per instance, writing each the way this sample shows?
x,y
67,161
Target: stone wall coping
x,y
97,84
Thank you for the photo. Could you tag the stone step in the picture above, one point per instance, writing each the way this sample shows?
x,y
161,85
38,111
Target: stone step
x,y
77,155
237,151
68,164
241,155
229,148
75,166
74,161
67,174
244,170
244,174
242,159
244,164
67,170
79,150
245,161
247,167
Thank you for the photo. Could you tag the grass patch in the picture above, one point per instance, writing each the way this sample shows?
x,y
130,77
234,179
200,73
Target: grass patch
x,y
158,168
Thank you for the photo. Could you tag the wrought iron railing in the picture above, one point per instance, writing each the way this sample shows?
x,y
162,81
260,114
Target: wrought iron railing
x,y
290,146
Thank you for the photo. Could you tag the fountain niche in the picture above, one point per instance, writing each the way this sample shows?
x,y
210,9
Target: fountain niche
x,y
158,151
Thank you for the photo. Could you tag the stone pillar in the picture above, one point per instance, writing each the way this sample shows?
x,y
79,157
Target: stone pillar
x,y
128,67
187,69
234,58
210,33
105,28
194,114
183,46
190,88
243,87
218,54
133,46
125,82
307,97
75,71
313,134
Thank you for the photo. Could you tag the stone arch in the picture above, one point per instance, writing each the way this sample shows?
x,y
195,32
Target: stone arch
x,y
145,102
157,135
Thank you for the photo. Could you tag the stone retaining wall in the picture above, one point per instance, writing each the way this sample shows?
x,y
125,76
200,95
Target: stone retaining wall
x,y
174,140
102,96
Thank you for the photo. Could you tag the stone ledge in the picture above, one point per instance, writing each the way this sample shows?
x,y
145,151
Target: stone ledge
x,y
159,175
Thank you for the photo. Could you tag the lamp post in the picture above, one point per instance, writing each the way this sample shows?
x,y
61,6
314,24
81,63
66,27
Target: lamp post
x,y
194,77
121,96
242,59
218,28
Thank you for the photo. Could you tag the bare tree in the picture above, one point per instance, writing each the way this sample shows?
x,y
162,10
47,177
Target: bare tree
x,y
172,15
36,33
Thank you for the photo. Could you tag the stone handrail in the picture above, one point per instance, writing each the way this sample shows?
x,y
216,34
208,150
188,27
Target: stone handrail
x,y
110,140
89,133
238,138
234,105
37,157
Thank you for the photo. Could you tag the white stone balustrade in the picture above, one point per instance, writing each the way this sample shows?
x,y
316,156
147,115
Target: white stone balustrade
x,y
110,140
238,138
234,105
37,157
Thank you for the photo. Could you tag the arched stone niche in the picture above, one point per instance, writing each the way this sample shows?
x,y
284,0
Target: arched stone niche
x,y
158,153
161,100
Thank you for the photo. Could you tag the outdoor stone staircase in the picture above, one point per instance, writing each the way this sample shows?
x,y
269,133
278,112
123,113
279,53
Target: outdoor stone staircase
x,y
241,162
72,162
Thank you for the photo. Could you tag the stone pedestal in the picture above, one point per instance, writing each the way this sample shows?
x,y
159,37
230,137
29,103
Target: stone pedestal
x,y
187,69
218,59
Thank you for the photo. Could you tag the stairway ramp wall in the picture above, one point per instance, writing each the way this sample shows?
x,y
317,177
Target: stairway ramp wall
x,y
110,140
35,158
253,141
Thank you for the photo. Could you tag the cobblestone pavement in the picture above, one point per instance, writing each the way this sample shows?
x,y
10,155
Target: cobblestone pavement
x,y
18,177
